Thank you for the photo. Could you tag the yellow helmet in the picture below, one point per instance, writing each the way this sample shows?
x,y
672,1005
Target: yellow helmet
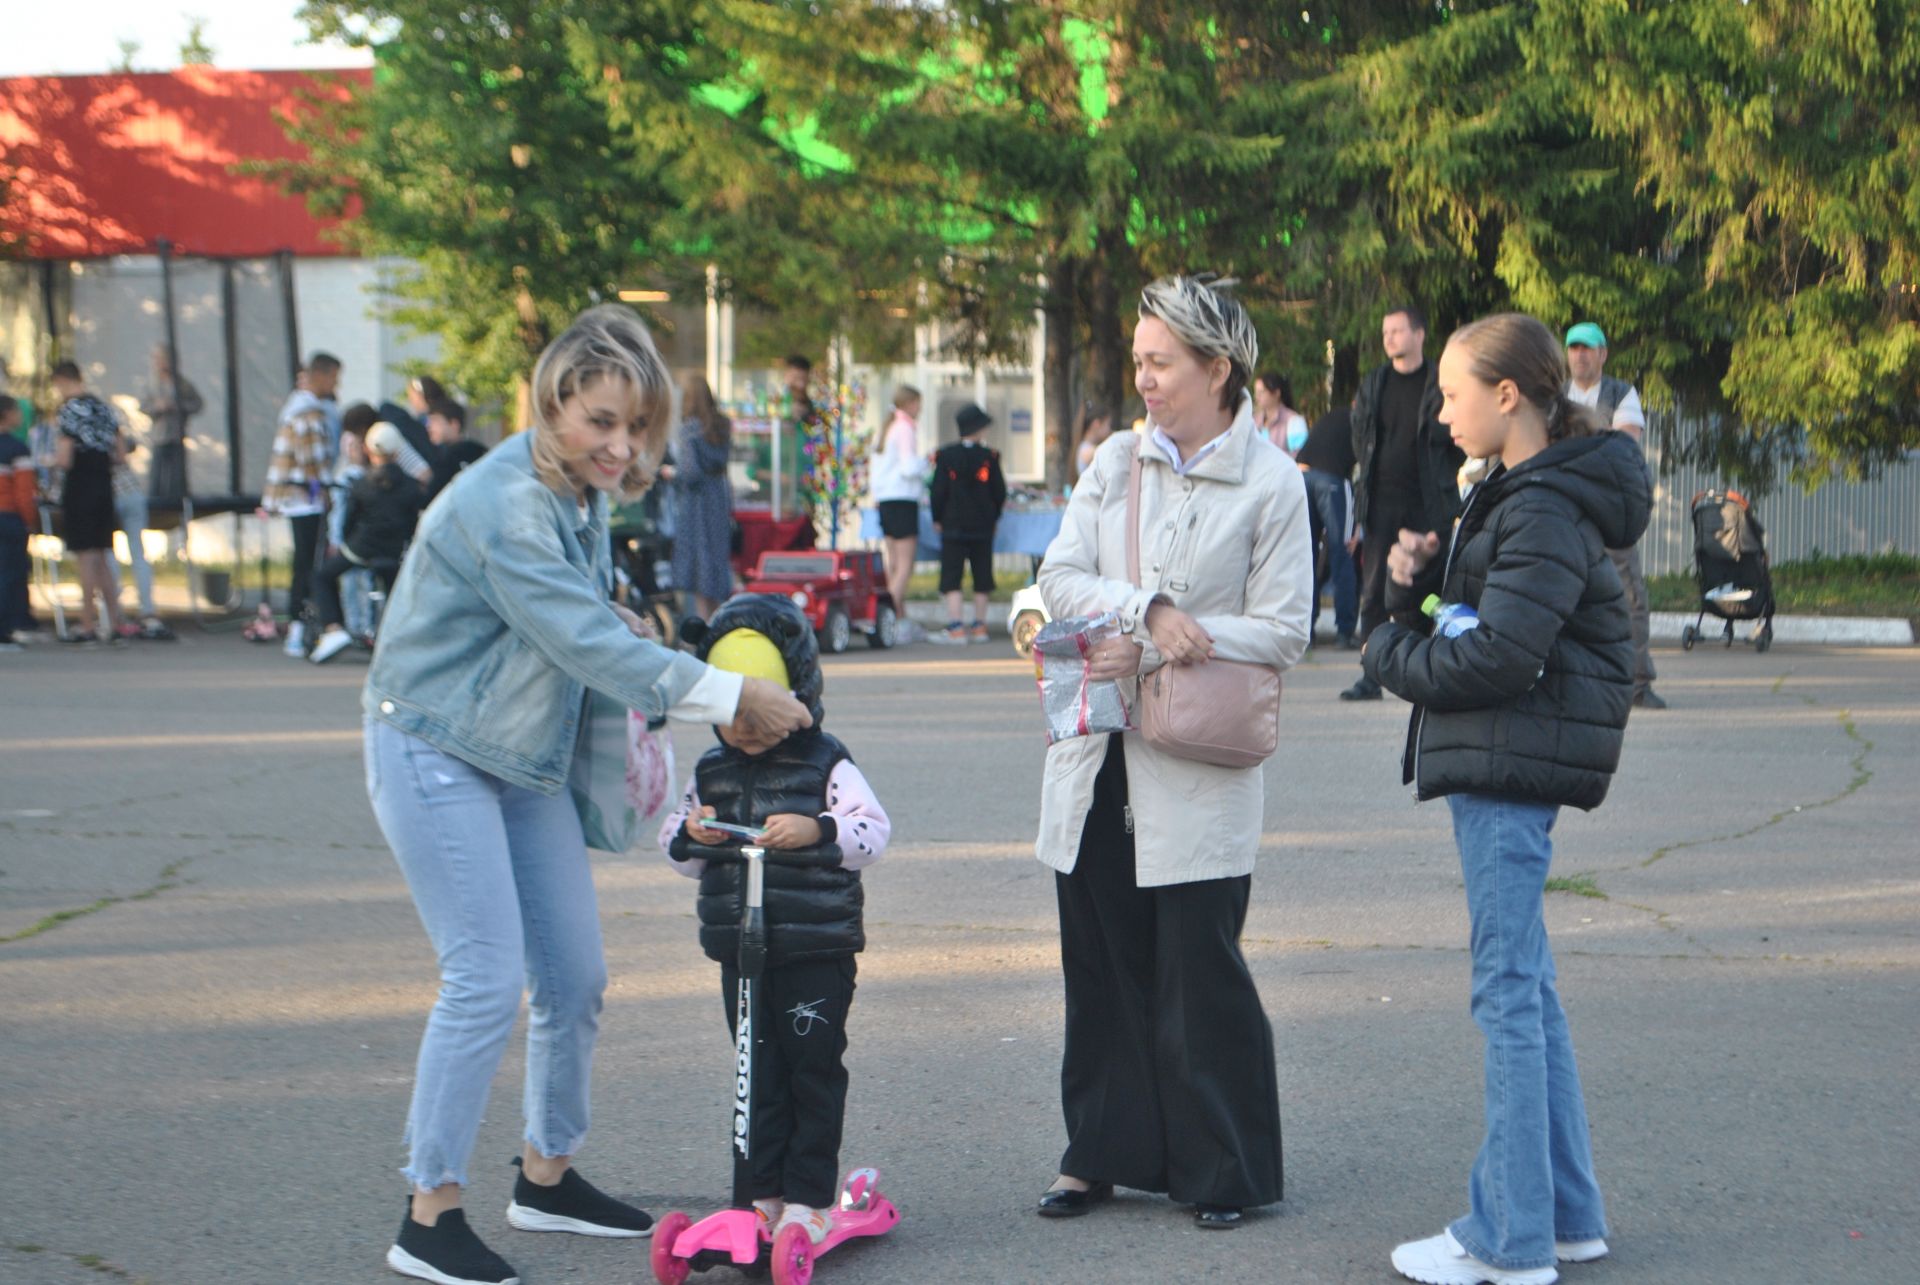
x,y
751,654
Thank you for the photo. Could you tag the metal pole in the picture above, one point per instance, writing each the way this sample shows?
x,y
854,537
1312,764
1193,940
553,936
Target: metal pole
x,y
230,336
285,261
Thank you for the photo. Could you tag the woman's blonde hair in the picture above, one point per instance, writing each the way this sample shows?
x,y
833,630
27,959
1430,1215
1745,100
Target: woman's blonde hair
x,y
1211,322
604,342
1512,345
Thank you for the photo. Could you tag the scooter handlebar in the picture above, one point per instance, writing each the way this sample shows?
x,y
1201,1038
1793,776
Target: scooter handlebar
x,y
826,854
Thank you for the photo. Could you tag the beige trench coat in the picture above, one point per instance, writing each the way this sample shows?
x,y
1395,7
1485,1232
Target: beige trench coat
x,y
1229,544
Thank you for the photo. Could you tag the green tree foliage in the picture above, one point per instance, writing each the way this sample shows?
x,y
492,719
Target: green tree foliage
x,y
481,158
1779,144
1727,188
194,50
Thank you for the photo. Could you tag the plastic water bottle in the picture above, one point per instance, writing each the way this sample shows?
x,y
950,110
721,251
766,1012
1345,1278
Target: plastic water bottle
x,y
1450,619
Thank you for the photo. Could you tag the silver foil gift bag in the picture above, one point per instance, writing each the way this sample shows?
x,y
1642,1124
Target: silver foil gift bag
x,y
1075,705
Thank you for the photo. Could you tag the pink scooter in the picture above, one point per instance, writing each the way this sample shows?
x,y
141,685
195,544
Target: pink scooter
x,y
734,1236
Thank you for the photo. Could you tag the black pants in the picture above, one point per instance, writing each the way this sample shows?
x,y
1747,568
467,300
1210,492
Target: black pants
x,y
326,584
960,551
1382,533
306,550
1168,1082
15,571
799,1080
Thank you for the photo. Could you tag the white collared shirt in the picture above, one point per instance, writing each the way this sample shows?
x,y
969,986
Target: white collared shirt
x,y
1182,467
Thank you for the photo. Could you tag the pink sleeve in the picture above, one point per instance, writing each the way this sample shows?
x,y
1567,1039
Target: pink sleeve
x,y
671,826
861,823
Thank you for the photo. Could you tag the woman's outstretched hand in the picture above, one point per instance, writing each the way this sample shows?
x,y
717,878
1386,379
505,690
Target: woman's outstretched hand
x,y
1178,636
640,625
770,709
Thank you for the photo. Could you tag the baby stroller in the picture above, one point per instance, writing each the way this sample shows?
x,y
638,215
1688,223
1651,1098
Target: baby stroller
x,y
1730,558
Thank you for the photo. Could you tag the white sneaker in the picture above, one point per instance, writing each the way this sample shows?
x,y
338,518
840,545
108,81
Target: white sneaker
x,y
1439,1260
1579,1251
818,1222
296,640
331,644
770,1208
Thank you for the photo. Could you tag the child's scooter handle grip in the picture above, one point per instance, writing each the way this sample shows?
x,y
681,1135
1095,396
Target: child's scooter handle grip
x,y
827,854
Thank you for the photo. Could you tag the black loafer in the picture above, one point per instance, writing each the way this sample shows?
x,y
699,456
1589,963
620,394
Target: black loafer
x,y
1064,1202
1216,1217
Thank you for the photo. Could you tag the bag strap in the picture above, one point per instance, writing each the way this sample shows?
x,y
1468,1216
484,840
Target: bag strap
x,y
1133,519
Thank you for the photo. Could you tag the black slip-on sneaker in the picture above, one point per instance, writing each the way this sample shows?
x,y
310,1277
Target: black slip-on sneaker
x,y
447,1253
576,1205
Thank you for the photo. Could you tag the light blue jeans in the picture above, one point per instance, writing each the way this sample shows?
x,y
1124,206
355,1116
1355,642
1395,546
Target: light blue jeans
x,y
500,877
1532,1182
131,509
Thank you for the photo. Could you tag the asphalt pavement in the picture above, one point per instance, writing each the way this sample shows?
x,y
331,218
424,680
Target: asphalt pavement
x,y
212,985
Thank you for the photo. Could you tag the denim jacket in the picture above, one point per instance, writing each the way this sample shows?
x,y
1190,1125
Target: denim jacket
x,y
500,622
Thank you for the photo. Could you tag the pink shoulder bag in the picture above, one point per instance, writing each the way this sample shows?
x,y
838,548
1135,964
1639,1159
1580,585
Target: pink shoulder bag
x,y
1224,712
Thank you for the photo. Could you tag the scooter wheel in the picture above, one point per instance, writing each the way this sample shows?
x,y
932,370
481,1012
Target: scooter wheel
x,y
668,1268
792,1257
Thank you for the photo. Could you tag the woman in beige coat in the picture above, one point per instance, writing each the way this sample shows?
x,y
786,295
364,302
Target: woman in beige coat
x,y
1168,1080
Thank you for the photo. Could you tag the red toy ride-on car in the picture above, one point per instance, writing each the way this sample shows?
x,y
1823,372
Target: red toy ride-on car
x,y
839,592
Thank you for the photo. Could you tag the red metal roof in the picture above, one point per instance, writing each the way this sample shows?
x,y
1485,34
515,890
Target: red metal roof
x,y
100,165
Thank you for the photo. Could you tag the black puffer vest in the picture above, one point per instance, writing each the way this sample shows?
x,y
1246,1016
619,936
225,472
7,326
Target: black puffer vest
x,y
812,912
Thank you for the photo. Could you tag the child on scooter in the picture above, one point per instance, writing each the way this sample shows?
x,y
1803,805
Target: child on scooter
x,y
801,792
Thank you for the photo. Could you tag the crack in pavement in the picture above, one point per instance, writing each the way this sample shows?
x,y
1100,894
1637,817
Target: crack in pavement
x,y
169,880
92,1262
1862,774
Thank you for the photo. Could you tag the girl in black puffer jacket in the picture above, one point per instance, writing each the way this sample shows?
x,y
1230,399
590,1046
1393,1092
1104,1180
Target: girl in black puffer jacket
x,y
803,791
1518,715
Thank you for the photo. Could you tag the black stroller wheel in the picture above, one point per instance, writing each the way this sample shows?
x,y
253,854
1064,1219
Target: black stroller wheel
x,y
1688,637
1764,639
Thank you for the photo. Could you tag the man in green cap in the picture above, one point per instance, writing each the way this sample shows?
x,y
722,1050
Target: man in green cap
x,y
1619,405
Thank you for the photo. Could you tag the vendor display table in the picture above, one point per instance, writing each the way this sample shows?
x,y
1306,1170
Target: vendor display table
x,y
1027,531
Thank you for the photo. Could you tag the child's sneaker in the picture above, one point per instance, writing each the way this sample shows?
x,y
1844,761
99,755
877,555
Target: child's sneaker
x,y
818,1222
447,1252
296,640
978,634
954,633
154,629
770,1208
576,1205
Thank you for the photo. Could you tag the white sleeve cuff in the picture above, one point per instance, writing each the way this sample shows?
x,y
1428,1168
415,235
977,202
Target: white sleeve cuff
x,y
712,699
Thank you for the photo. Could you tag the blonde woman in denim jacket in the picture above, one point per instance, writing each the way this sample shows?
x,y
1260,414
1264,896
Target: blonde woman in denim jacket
x,y
499,623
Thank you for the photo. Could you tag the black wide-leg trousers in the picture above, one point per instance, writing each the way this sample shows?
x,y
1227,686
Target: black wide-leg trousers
x,y
1168,1081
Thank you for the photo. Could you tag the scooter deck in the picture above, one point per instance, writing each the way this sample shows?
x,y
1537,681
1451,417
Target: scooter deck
x,y
740,1234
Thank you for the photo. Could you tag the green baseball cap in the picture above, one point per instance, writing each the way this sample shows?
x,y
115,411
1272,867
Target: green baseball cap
x,y
1587,335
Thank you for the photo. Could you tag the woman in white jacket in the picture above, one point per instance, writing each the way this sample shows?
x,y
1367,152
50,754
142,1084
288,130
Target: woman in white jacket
x,y
1168,1080
899,480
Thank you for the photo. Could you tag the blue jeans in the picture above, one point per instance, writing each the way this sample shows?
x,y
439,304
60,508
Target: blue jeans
x,y
132,511
1327,503
500,877
1532,1182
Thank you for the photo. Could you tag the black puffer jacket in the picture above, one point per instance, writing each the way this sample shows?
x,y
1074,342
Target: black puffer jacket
x,y
812,912
1533,703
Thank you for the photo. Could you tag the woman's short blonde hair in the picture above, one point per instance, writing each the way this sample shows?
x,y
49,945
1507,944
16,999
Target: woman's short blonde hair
x,y
604,342
1212,323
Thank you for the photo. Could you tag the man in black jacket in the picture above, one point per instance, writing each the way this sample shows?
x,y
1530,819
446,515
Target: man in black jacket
x,y
968,493
1408,465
